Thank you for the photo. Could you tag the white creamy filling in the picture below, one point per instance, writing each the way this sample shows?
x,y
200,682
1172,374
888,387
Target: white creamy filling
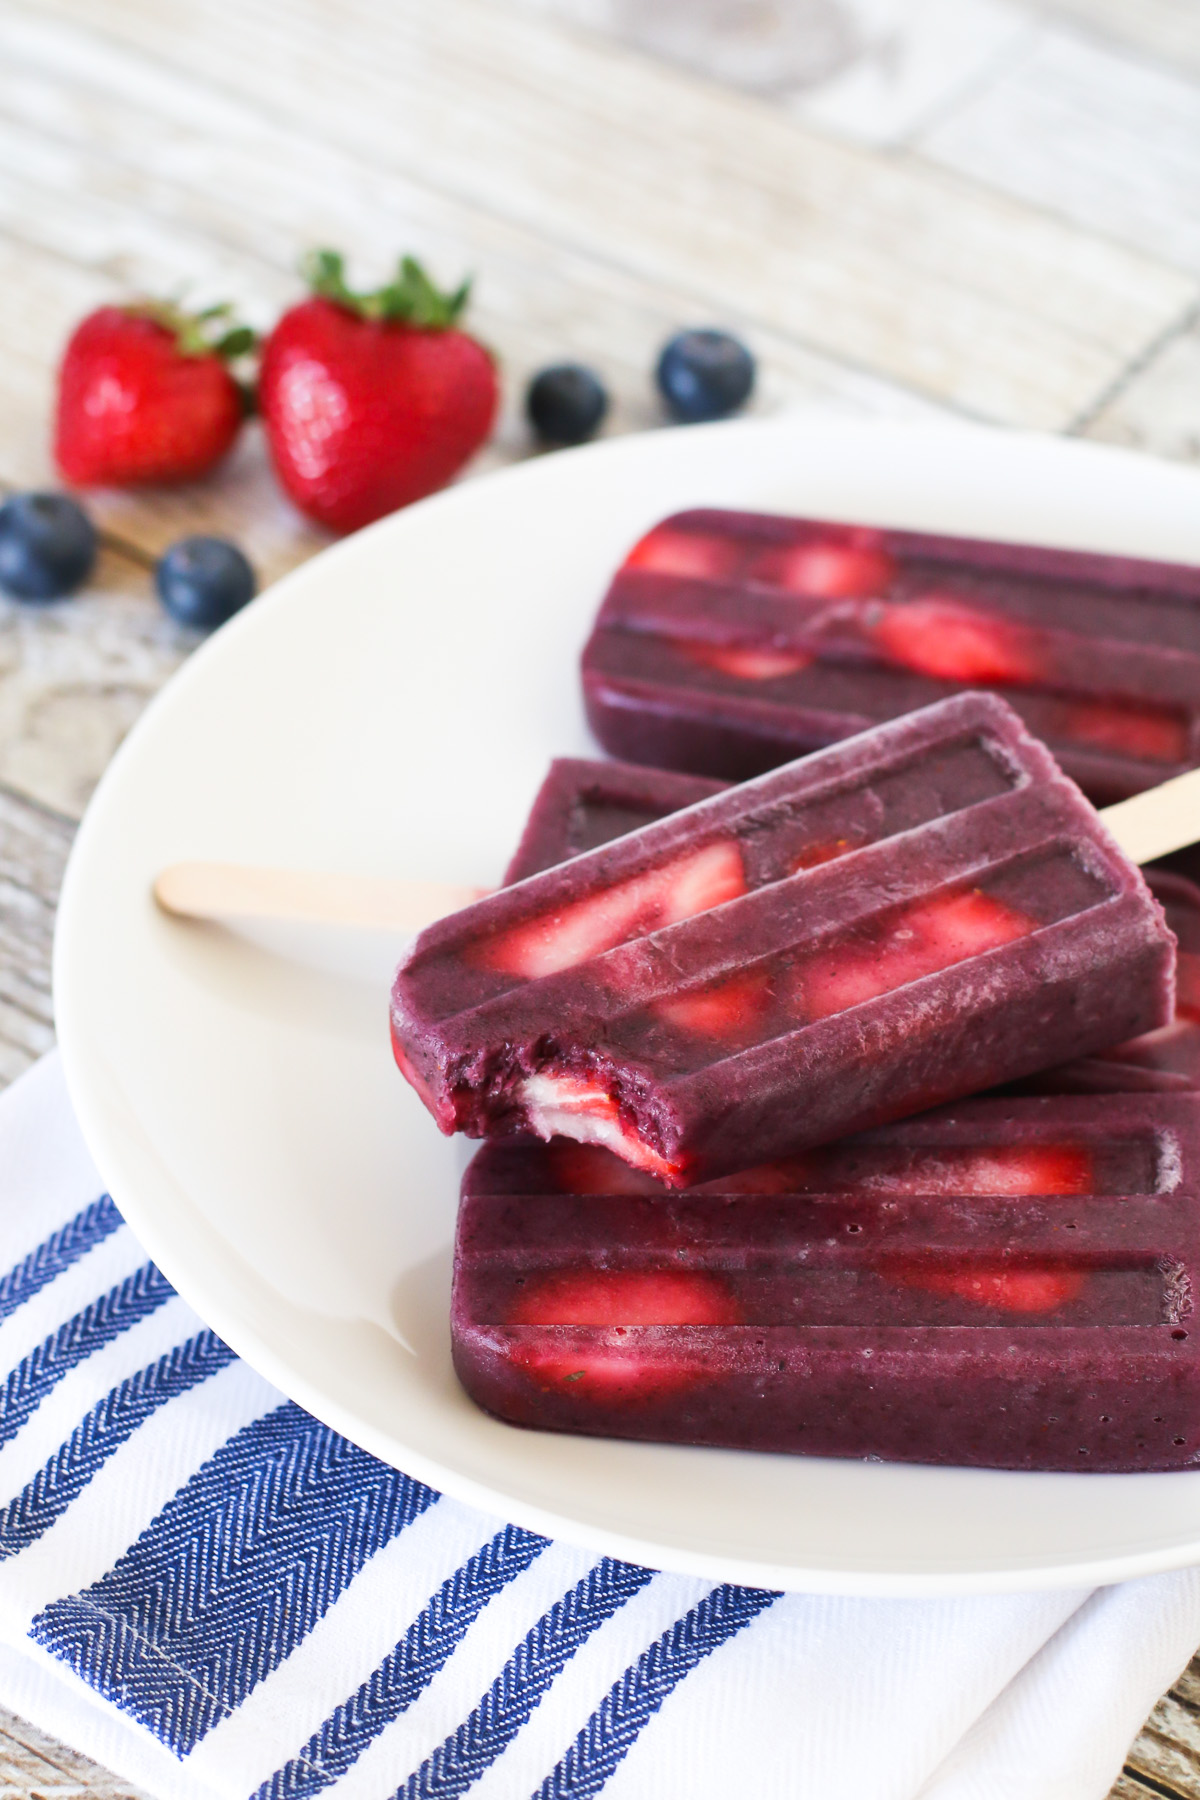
x,y
560,1106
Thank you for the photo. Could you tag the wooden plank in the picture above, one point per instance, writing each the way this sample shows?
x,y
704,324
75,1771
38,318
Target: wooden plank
x,y
1158,407
708,192
1166,1753
1107,142
912,64
35,1766
74,675
34,843
1167,30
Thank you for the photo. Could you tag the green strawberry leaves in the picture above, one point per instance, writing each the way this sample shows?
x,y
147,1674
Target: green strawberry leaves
x,y
410,297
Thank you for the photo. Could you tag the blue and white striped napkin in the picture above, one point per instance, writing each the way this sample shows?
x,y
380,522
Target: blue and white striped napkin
x,y
221,1599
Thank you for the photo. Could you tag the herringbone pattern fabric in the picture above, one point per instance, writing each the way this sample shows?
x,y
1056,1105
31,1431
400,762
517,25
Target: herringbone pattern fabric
x,y
209,1589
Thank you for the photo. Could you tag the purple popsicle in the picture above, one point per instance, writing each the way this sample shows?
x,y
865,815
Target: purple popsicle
x,y
731,642
583,804
1005,1283
916,914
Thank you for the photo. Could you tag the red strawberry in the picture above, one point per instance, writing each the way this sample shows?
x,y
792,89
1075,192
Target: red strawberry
x,y
995,1169
372,400
145,394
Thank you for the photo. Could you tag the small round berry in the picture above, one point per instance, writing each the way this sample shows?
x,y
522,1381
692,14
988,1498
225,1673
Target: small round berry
x,y
704,375
47,546
566,403
202,581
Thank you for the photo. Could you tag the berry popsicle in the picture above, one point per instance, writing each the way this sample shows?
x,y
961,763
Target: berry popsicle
x,y
583,804
922,912
1005,1283
731,642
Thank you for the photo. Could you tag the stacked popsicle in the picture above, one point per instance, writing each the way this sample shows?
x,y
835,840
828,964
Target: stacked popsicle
x,y
736,999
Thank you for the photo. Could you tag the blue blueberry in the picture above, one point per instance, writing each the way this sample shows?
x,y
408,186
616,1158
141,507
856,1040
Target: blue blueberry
x,y
566,403
203,581
704,375
47,546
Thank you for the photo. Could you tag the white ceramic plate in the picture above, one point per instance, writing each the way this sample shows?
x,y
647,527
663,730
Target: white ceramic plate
x,y
390,708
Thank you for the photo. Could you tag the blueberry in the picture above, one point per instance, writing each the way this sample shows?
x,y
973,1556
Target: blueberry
x,y
203,581
704,375
47,546
566,403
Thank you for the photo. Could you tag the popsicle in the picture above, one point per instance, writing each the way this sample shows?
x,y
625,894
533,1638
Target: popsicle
x,y
916,914
731,642
1004,1283
583,804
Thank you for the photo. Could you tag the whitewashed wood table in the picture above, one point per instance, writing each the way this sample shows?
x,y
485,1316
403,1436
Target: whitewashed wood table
x,y
979,208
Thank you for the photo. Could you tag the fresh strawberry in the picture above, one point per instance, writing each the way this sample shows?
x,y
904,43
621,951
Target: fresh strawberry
x,y
372,400
704,555
145,394
677,890
1146,732
743,663
1020,1290
827,570
923,938
944,638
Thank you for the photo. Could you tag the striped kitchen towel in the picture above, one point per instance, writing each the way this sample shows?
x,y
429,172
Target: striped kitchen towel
x,y
220,1598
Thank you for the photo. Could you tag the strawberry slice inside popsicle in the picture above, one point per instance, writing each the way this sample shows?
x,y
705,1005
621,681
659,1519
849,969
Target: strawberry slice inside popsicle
x,y
702,555
743,662
944,638
626,1297
827,570
1034,1289
923,938
677,890
619,1299
571,1106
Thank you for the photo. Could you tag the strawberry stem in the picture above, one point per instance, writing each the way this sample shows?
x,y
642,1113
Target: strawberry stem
x,y
410,297
211,332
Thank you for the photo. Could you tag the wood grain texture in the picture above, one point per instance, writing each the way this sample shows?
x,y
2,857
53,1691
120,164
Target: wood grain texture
x,y
1076,126
586,144
35,1766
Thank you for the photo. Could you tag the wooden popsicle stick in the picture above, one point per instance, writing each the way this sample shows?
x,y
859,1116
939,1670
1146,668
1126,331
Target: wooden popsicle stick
x,y
218,891
1162,819
1152,824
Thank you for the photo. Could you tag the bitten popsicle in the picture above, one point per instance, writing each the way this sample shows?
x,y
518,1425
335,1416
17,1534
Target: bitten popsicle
x,y
731,642
1005,1283
584,803
919,913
